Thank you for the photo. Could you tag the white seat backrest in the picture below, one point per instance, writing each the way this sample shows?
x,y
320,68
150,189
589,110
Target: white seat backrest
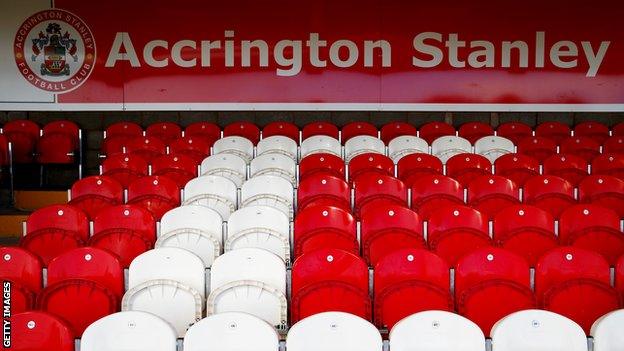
x,y
320,144
231,331
168,263
216,192
537,330
248,264
446,147
363,144
263,227
236,145
129,330
493,147
436,330
333,331
268,190
274,164
607,332
405,145
277,144
230,166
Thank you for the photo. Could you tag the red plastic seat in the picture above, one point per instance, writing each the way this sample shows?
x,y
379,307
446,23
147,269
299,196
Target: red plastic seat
x,y
405,274
321,163
619,275
125,168
609,164
606,191
93,194
550,193
594,228
618,129
40,331
516,167
466,167
117,136
319,128
539,148
370,162
433,192
179,168
52,230
329,280
322,227
414,167
567,166
525,230
157,194
614,144
195,147
125,230
372,186
23,270
354,129
491,283
246,130
456,230
387,228
392,130
323,189
147,148
514,131
594,130
165,131
433,130
203,130
491,193
23,135
583,147
281,128
473,131
84,285
556,131
58,143
575,283
4,151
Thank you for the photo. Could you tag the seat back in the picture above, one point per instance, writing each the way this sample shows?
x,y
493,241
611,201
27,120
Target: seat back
x,y
230,166
212,191
235,145
38,330
243,129
281,128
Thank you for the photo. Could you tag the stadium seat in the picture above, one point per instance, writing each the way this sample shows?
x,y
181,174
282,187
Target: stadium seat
x,y
432,192
165,131
414,167
363,144
606,331
146,147
205,130
195,147
5,159
434,130
466,167
606,191
117,135
371,186
370,162
274,165
575,283
268,190
594,228
609,164
249,280
281,128
230,166
124,168
517,167
406,145
320,144
231,331
129,330
355,129
618,129
387,228
212,191
179,168
262,227
197,229
493,147
170,283
526,230
323,189
539,148
555,131
125,230
583,147
321,227
235,145
245,130
95,193
619,275
23,270
158,194
321,163
514,131
52,230
454,230
449,146
491,283
329,280
550,193
319,128
473,131
84,285
23,135
59,143
277,144
437,330
333,331
614,144
537,330
392,130
404,274
592,129
567,166
491,193
40,331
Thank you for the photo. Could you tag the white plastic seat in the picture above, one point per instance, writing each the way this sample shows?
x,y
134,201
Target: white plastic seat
x,y
268,190
405,145
277,144
493,147
320,144
195,228
129,330
362,144
215,192
249,280
446,147
229,166
436,330
231,331
537,330
262,227
607,332
236,145
274,164
333,331
169,282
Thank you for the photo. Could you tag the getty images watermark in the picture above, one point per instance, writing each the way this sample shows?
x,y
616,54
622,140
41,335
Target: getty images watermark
x,y
6,314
